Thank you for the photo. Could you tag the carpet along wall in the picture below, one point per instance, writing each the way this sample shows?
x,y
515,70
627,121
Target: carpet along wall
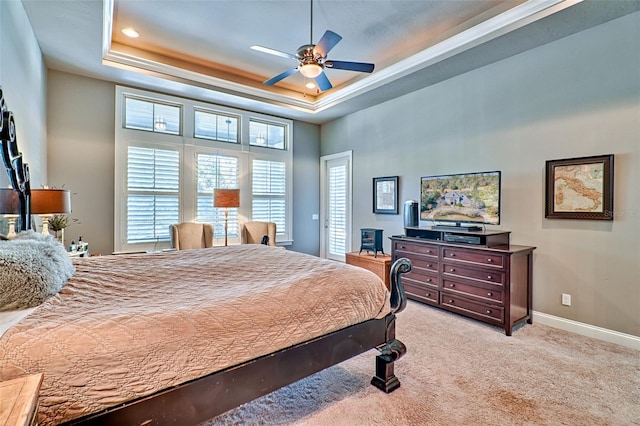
x,y
578,96
23,77
81,156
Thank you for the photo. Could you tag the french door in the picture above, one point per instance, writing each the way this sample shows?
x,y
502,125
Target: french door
x,y
335,218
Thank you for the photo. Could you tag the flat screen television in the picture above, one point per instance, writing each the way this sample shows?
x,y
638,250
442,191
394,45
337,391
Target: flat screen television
x,y
461,199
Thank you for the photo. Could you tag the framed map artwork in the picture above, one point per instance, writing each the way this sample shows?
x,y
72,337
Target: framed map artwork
x,y
580,188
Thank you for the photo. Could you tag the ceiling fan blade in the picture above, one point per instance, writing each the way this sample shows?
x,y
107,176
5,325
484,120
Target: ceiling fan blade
x,y
323,82
274,52
327,42
350,66
280,76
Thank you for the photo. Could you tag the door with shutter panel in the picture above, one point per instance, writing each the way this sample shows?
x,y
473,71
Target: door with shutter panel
x,y
335,238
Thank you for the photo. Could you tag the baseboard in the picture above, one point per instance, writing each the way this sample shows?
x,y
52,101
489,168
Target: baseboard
x,y
588,330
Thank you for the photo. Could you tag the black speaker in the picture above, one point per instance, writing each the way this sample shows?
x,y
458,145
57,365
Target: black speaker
x,y
410,213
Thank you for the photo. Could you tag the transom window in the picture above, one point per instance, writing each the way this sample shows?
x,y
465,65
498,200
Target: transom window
x,y
267,135
219,127
152,116
166,173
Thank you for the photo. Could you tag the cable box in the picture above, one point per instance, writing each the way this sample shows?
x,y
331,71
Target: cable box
x,y
462,239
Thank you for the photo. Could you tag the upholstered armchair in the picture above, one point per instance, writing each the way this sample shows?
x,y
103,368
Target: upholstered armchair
x,y
191,235
253,232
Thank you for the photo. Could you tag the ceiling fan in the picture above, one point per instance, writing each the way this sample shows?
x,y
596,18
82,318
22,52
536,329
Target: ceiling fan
x,y
312,59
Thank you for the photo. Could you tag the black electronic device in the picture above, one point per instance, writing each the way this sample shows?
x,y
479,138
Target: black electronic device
x,y
461,199
410,213
462,239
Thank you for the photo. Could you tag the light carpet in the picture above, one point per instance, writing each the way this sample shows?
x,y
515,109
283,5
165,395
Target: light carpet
x,y
459,371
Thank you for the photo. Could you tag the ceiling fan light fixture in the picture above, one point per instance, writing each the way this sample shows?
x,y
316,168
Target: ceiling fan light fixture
x,y
311,70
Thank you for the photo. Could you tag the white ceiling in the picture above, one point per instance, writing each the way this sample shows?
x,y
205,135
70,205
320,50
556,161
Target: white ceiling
x,y
202,49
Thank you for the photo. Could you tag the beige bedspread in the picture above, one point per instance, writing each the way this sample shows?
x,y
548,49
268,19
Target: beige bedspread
x,y
127,326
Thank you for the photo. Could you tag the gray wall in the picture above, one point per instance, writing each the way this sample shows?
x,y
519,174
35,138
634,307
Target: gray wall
x,y
81,117
306,187
578,96
23,77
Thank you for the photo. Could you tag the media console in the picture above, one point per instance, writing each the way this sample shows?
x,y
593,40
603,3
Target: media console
x,y
476,274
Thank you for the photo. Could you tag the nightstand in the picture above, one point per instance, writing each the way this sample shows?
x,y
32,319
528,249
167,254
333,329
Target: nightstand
x,y
19,400
379,265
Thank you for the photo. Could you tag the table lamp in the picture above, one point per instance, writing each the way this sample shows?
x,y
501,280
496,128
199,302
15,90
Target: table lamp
x,y
48,202
226,198
10,208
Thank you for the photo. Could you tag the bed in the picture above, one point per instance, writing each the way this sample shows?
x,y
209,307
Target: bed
x,y
180,337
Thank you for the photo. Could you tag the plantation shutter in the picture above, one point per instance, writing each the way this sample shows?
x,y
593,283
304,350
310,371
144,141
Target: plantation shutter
x,y
269,183
337,217
153,185
216,171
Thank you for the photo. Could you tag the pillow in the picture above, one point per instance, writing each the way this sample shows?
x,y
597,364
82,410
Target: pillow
x,y
33,267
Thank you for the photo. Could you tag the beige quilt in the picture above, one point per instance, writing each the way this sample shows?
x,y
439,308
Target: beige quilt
x,y
127,326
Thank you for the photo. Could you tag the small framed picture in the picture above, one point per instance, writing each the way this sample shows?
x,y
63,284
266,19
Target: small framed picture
x,y
385,195
580,188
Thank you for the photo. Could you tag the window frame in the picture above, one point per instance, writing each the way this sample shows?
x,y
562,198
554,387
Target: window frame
x,y
189,147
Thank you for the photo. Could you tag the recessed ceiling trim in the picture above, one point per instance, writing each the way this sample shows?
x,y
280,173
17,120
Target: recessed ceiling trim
x,y
507,21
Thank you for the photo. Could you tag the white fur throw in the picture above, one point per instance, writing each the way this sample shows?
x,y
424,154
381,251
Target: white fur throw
x,y
33,267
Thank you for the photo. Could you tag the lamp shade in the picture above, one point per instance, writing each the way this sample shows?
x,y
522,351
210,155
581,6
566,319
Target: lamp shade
x,y
50,201
9,201
226,197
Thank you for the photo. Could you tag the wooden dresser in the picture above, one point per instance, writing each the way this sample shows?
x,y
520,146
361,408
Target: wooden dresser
x,y
490,284
19,400
380,265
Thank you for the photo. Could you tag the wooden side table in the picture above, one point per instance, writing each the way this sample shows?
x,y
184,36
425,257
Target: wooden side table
x,y
19,400
379,265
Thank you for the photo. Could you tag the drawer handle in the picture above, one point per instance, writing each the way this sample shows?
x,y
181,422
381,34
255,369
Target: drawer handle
x,y
452,285
429,266
489,260
428,251
428,280
489,294
488,311
402,247
452,270
450,301
489,277
427,294
453,255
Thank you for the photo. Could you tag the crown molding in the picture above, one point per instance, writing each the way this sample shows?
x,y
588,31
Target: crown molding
x,y
490,29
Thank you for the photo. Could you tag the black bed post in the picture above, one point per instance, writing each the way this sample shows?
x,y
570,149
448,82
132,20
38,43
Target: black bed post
x,y
393,349
17,170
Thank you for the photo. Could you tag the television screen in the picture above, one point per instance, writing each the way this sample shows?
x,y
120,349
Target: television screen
x,y
468,197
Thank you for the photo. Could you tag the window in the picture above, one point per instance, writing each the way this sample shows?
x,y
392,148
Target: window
x,y
269,190
216,171
152,117
171,153
152,185
217,127
265,134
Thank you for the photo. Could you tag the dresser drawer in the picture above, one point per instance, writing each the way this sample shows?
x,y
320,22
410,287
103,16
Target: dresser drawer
x,y
422,262
425,249
489,295
421,293
487,275
481,258
425,280
475,309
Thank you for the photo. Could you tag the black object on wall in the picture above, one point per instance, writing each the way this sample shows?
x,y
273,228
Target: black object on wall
x,y
410,213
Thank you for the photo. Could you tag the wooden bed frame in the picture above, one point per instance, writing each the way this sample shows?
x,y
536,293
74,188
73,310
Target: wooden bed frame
x,y
206,397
